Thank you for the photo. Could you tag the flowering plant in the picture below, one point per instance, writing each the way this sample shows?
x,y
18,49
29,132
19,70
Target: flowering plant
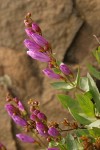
x,y
83,133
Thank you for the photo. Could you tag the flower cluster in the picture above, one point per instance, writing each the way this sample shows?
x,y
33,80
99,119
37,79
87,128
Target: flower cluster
x,y
39,48
35,123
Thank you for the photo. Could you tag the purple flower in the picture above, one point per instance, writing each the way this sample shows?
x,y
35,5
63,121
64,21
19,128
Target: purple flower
x,y
38,39
25,138
20,106
53,132
64,68
36,111
42,116
19,121
10,109
39,56
36,28
29,31
48,72
31,45
41,126
33,117
42,129
43,133
53,149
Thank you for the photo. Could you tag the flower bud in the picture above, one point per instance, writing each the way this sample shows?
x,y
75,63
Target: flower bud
x,y
42,129
20,106
33,117
42,116
25,138
36,111
36,28
19,121
40,40
48,72
31,45
43,57
64,68
53,132
29,31
11,109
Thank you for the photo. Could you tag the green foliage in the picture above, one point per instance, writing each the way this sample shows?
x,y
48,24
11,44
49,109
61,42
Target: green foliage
x,y
94,91
71,143
93,133
86,104
96,53
62,86
79,112
83,84
93,71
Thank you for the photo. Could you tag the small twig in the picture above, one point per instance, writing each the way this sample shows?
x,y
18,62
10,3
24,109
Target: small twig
x,y
96,38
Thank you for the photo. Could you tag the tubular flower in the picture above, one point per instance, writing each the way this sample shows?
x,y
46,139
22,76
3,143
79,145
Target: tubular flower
x,y
19,121
43,57
42,116
40,40
42,129
25,138
36,28
31,45
11,109
36,111
48,72
53,132
33,117
64,68
20,106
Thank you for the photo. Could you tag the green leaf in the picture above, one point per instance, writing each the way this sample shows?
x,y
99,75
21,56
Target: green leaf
x,y
86,105
71,143
77,81
93,71
94,91
83,84
95,124
93,133
75,109
96,53
63,99
62,86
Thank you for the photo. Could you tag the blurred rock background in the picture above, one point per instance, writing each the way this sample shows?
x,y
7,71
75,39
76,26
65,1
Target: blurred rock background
x,y
69,25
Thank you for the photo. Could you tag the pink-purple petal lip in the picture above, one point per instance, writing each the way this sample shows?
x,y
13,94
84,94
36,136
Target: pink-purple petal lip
x,y
33,46
53,132
40,40
48,72
19,121
65,69
25,138
43,57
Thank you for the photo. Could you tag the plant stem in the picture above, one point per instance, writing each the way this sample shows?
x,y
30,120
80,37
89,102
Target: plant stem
x,y
41,142
72,129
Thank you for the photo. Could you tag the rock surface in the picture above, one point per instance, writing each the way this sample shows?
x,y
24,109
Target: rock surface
x,y
68,25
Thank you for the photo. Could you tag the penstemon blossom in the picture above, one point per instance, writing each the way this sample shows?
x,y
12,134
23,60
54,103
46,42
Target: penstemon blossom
x,y
83,133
